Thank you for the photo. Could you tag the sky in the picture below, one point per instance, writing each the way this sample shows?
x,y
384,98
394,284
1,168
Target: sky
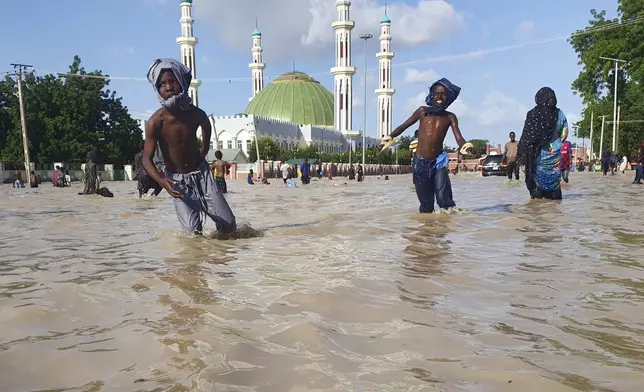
x,y
456,39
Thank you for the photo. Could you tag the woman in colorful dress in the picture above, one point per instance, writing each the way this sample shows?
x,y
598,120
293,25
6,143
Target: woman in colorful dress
x,y
540,146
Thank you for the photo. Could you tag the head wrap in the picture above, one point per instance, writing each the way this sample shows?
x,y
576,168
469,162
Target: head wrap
x,y
183,75
539,124
451,93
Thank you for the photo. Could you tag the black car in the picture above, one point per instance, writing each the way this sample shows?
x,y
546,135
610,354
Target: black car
x,y
493,166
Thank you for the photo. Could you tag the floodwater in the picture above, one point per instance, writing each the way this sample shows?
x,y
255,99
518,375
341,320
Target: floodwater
x,y
348,289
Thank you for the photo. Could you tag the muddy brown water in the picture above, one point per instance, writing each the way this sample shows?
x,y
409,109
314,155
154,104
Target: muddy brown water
x,y
348,289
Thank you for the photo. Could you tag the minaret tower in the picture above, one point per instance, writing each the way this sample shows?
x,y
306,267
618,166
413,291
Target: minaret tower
x,y
187,43
257,66
343,71
384,92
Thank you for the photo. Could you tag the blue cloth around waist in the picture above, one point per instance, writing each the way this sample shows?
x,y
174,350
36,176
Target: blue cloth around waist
x,y
548,174
440,162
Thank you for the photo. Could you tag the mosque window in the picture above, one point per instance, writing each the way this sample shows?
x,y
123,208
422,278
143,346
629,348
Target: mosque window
x,y
341,49
248,145
220,145
229,144
239,144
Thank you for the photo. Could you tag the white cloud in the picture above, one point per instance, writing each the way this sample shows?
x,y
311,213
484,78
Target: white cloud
x,y
420,77
309,23
121,50
207,61
496,109
524,30
572,118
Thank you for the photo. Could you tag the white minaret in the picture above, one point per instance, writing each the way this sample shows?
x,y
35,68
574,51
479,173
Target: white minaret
x,y
257,66
343,71
187,43
384,92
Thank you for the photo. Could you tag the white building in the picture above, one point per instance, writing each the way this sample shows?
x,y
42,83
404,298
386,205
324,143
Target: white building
x,y
385,92
257,66
187,42
343,71
294,110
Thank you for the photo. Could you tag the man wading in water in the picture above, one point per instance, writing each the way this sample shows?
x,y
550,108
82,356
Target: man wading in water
x,y
510,156
189,179
431,176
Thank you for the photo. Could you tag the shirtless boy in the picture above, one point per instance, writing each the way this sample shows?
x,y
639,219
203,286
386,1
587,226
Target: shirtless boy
x,y
188,177
431,176
220,168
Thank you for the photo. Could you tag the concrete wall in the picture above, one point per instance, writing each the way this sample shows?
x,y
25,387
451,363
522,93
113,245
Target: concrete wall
x,y
239,131
273,169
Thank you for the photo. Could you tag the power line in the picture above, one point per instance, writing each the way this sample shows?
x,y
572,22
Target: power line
x,y
626,121
472,54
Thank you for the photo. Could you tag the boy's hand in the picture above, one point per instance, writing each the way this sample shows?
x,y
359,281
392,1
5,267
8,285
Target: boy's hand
x,y
168,185
467,149
386,142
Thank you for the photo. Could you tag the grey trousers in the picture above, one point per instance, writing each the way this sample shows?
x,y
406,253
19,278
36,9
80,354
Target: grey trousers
x,y
201,196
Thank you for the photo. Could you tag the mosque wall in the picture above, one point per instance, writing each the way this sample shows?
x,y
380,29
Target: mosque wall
x,y
239,131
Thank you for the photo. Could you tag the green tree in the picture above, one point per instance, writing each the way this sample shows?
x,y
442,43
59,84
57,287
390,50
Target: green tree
x,y
595,81
404,142
268,150
449,149
67,116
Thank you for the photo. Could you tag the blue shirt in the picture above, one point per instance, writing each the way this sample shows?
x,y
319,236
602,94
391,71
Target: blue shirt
x,y
304,168
250,178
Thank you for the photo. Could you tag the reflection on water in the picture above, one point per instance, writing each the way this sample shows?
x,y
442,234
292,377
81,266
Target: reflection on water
x,y
341,287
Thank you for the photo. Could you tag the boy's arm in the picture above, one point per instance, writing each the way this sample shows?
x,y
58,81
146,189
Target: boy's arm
x,y
206,133
408,123
152,129
456,130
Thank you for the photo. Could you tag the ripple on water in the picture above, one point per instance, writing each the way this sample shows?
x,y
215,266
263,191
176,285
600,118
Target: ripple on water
x,y
331,287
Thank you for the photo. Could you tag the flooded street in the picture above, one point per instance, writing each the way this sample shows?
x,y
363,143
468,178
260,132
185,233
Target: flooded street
x,y
348,289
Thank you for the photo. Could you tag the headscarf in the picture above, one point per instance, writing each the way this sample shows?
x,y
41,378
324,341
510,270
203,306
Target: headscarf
x,y
451,93
539,124
183,75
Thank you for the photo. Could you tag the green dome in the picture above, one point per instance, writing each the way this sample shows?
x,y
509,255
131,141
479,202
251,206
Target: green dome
x,y
385,19
186,1
295,97
257,33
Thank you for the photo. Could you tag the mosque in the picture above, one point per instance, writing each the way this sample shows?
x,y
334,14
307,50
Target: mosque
x,y
295,110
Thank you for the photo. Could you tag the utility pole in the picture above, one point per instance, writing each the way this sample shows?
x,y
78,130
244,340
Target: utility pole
x,y
617,61
619,109
601,138
590,152
366,38
23,123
